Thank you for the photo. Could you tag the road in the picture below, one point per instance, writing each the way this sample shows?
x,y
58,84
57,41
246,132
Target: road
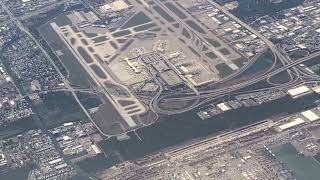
x,y
65,81
36,12
222,91
198,35
263,38
283,58
154,104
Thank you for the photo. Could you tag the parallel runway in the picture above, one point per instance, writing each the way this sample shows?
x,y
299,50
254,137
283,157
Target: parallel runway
x,y
287,65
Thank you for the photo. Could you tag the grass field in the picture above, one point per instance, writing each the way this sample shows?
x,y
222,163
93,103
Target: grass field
x,y
17,127
17,174
137,19
89,100
62,20
224,70
58,108
77,75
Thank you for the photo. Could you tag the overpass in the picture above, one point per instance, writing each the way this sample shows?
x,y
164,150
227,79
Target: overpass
x,y
220,92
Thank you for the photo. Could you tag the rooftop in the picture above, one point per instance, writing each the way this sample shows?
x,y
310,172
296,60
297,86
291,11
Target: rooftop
x,y
310,115
298,91
291,124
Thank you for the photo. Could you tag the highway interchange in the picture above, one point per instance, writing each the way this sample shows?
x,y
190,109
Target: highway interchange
x,y
293,71
197,97
217,93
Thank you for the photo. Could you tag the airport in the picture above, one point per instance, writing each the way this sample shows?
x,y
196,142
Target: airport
x,y
123,69
159,89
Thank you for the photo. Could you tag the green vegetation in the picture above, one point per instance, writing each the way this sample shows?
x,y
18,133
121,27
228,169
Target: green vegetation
x,y
185,33
114,45
225,51
175,10
195,26
77,75
89,100
121,33
138,1
211,55
144,27
194,51
163,14
224,70
280,78
137,19
100,39
17,174
75,29
62,20
121,41
298,54
17,127
213,42
111,148
98,71
84,54
240,61
58,108
90,34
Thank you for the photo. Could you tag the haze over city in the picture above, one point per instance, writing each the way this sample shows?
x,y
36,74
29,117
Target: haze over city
x,y
159,89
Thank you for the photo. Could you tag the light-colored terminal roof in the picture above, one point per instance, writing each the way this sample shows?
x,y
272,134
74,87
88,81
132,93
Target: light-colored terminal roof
x,y
299,90
316,89
310,115
223,106
291,124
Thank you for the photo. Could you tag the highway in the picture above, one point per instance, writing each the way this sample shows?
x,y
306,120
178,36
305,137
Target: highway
x,y
243,68
270,44
154,103
222,91
288,65
210,95
41,10
283,58
35,12
65,81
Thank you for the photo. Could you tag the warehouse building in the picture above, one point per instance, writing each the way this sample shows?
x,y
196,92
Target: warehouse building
x,y
299,91
316,89
292,123
310,115
223,107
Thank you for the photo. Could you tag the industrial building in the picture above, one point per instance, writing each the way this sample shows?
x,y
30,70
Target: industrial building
x,y
290,124
203,115
223,107
299,91
316,89
115,6
310,115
